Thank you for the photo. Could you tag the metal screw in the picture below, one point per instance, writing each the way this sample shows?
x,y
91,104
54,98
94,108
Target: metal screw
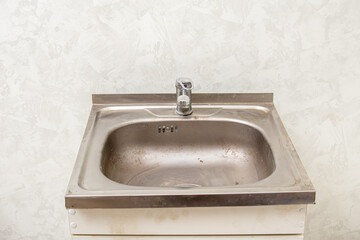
x,y
73,225
301,224
72,211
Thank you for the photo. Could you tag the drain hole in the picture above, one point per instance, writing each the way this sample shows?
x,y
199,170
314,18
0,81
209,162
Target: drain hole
x,y
163,129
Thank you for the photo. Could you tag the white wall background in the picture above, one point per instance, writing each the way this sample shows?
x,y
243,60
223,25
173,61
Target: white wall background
x,y
55,54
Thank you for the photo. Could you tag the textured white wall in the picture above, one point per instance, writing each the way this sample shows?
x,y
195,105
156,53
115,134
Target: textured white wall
x,y
55,54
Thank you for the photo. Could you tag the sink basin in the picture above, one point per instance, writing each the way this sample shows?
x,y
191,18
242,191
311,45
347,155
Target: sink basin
x,y
187,154
232,151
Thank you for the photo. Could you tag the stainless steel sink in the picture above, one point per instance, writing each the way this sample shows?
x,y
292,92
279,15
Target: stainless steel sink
x,y
187,154
232,151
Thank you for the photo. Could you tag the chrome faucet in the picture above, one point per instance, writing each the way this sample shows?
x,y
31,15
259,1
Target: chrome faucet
x,y
183,96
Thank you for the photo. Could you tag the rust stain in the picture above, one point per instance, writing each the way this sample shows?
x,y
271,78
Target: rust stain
x,y
167,215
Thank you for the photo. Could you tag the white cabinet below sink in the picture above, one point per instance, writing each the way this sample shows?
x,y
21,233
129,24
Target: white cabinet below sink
x,y
271,222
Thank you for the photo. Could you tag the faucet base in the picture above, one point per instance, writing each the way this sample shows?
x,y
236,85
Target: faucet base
x,y
182,113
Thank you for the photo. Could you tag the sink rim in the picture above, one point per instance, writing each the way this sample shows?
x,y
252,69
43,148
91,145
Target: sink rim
x,y
254,194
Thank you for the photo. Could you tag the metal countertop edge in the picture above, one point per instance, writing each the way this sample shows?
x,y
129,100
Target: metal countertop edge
x,y
172,201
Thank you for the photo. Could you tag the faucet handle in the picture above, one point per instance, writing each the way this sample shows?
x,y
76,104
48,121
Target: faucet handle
x,y
183,96
184,83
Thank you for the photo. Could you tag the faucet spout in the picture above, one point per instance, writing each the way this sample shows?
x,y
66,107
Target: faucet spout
x,y
183,96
